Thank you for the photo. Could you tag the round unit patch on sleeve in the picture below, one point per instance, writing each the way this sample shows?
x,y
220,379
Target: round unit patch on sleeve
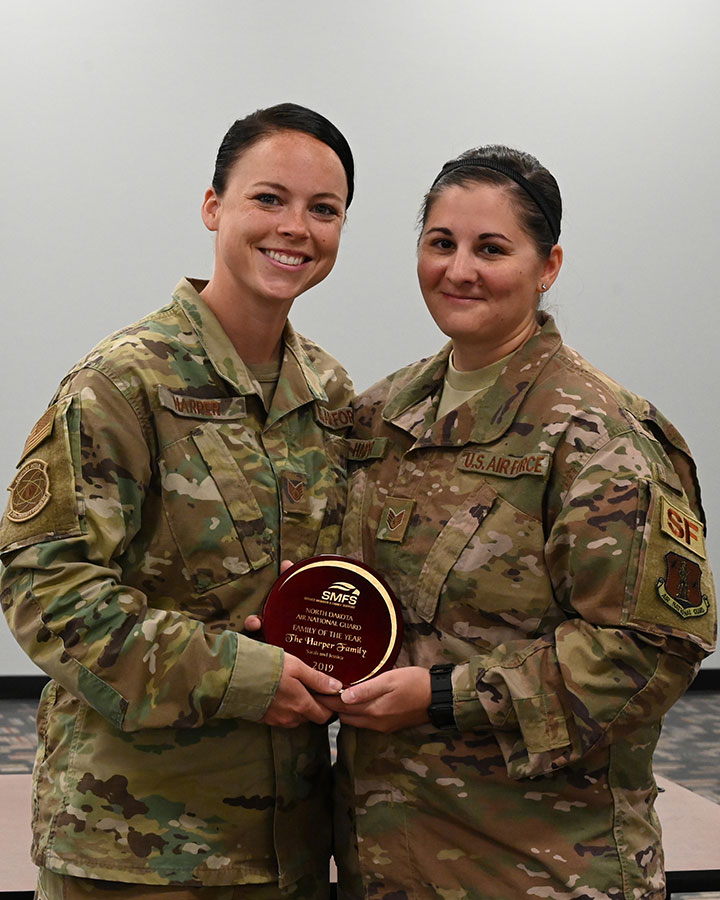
x,y
29,491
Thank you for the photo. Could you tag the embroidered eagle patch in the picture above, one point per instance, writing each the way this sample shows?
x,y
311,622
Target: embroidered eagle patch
x,y
29,491
680,588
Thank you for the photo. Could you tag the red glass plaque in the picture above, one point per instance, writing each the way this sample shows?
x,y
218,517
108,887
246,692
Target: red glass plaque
x,y
336,615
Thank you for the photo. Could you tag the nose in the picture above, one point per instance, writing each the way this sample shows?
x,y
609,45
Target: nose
x,y
292,222
462,267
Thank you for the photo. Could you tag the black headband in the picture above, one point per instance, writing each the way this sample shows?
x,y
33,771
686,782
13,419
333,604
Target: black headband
x,y
510,173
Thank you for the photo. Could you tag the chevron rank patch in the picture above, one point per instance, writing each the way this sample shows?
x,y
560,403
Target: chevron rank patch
x,y
395,519
295,494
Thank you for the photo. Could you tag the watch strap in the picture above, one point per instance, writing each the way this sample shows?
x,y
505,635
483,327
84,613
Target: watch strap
x,y
441,711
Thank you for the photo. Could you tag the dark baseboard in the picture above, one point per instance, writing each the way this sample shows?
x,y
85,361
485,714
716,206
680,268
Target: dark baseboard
x,y
28,687
22,687
707,680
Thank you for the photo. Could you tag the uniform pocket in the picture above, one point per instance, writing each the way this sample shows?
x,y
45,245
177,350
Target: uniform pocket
x,y
335,492
485,579
445,551
353,521
237,495
214,517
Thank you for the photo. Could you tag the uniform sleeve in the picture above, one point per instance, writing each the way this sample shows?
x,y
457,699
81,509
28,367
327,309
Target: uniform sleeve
x,y
73,525
626,556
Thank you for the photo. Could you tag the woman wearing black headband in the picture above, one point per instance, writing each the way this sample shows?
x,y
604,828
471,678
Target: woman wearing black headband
x,y
543,529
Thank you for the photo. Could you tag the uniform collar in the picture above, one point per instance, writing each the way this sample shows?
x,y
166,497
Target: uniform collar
x,y
412,404
299,381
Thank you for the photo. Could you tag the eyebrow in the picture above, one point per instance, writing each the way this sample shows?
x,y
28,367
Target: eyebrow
x,y
483,237
494,234
276,186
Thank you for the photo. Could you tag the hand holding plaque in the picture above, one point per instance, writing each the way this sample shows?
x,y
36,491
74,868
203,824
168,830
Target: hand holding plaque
x,y
336,615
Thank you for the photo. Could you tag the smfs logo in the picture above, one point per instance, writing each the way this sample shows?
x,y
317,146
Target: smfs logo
x,y
341,592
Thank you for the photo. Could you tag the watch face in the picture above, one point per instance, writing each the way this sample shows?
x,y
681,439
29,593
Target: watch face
x,y
337,615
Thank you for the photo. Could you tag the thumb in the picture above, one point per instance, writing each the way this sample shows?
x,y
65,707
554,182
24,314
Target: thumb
x,y
363,692
253,623
319,682
285,565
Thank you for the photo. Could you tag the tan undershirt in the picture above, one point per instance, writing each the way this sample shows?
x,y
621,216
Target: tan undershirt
x,y
461,386
266,375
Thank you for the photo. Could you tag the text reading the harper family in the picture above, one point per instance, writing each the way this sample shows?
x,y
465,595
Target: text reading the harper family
x,y
326,633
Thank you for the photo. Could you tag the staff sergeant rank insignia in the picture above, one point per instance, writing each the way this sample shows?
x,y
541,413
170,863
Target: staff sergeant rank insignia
x,y
680,588
295,496
29,491
395,519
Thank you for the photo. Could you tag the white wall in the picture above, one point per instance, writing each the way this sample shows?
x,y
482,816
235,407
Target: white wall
x,y
112,114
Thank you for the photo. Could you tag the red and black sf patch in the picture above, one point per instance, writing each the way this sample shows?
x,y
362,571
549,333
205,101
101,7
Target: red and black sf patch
x,y
680,589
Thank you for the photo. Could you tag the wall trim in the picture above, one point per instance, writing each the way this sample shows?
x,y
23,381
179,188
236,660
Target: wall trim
x,y
707,680
28,687
22,687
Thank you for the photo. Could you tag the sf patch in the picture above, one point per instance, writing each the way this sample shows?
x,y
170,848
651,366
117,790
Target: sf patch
x,y
680,588
682,527
29,491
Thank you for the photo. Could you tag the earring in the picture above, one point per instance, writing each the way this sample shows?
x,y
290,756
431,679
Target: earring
x,y
543,287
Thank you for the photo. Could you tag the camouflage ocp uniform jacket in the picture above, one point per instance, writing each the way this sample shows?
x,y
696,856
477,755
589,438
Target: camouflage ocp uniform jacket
x,y
548,540
153,503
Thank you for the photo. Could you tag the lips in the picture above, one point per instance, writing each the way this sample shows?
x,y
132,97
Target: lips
x,y
450,296
286,259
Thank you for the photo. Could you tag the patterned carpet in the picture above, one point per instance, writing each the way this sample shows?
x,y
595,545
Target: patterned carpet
x,y
688,751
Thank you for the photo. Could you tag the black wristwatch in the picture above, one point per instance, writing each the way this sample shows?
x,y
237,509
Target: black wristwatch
x,y
440,710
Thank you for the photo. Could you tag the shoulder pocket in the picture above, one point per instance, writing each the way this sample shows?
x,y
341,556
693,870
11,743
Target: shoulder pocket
x,y
43,502
678,454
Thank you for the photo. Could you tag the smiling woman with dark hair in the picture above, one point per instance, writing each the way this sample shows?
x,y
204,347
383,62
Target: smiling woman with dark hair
x,y
543,529
178,463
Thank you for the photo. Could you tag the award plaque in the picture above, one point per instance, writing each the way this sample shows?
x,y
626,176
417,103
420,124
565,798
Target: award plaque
x,y
336,615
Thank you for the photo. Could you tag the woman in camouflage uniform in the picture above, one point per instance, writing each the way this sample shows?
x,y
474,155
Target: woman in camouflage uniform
x,y
543,529
179,462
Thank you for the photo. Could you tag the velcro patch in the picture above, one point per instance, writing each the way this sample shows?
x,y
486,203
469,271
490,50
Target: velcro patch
x,y
202,407
295,494
504,466
681,588
395,519
682,527
42,429
374,448
335,418
29,491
